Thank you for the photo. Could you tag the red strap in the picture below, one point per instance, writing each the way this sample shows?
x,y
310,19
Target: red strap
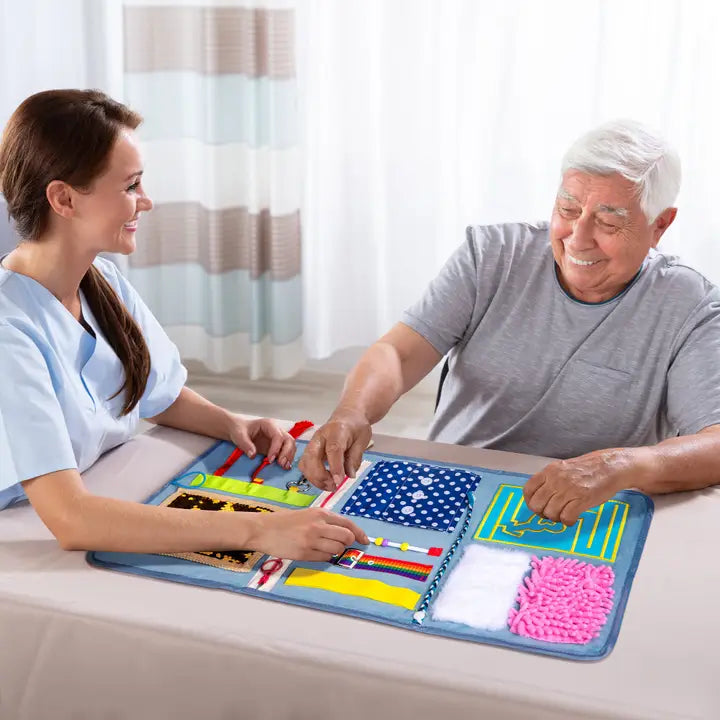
x,y
296,431
231,459
299,428
325,501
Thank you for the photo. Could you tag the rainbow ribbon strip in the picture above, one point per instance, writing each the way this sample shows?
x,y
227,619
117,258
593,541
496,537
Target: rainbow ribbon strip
x,y
359,559
371,589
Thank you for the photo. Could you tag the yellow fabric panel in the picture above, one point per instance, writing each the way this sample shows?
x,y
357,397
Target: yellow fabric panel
x,y
372,589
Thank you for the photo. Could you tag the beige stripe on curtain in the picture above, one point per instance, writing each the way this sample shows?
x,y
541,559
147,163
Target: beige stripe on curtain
x,y
210,40
221,240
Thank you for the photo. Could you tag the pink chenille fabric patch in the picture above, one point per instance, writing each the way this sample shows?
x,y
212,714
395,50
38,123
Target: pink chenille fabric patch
x,y
563,600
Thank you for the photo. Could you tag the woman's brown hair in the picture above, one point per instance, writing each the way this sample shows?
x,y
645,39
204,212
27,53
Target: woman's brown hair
x,y
68,135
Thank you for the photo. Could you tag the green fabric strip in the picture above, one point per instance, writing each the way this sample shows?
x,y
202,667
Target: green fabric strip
x,y
240,487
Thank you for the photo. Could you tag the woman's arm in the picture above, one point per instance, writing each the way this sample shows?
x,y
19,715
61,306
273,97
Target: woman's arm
x,y
82,521
192,412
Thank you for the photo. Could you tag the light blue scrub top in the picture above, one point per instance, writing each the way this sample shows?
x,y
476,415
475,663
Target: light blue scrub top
x,y
56,381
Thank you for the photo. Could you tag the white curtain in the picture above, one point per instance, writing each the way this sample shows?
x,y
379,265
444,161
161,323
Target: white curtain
x,y
424,116
48,44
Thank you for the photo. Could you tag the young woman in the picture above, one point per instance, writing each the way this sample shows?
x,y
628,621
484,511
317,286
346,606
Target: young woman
x,y
82,358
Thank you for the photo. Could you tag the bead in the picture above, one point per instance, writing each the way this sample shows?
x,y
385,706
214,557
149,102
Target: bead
x,y
258,481
435,551
378,541
294,488
404,546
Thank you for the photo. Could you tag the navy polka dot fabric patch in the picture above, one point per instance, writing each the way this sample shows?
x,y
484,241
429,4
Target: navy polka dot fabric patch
x,y
413,494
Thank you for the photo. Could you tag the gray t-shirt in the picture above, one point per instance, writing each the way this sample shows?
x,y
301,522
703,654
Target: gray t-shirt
x,y
533,370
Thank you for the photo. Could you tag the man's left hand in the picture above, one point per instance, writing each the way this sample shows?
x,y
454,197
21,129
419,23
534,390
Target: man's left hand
x,y
564,489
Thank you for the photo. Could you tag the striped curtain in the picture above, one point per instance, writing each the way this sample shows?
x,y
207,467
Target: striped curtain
x,y
218,258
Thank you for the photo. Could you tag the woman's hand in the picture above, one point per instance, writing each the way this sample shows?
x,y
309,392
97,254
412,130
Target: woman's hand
x,y
313,535
263,436
341,443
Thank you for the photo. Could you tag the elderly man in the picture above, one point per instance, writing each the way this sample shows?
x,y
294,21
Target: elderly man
x,y
575,340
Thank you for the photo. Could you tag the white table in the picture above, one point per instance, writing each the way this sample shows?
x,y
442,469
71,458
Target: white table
x,y
79,642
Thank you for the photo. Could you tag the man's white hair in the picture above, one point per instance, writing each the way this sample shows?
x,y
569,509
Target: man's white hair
x,y
637,153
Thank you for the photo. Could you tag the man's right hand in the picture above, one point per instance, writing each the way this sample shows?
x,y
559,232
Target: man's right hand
x,y
340,444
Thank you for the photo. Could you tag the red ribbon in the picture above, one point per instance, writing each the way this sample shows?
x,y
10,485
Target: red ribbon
x,y
295,431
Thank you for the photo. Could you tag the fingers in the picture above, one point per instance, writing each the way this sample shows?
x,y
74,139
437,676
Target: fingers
x,y
344,521
276,442
269,436
340,443
335,533
571,512
540,498
339,533
312,534
243,441
335,452
532,484
282,444
312,464
353,457
287,451
555,505
326,545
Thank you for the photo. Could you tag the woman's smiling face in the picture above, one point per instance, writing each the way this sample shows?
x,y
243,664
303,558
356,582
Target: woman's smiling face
x,y
106,214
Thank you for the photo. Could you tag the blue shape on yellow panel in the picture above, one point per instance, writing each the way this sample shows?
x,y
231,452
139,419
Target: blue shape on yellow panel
x,y
596,534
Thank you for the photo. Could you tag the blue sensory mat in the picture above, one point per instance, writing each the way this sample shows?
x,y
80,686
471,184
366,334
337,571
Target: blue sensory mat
x,y
423,514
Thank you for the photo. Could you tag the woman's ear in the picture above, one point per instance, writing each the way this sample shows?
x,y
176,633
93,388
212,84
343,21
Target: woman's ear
x,y
60,196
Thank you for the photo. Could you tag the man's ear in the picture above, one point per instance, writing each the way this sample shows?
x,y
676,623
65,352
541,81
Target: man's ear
x,y
662,222
60,196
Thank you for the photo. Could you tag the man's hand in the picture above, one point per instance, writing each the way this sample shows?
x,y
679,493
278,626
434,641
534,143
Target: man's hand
x,y
564,489
341,443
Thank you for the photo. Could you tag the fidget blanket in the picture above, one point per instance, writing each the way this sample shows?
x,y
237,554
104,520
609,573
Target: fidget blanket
x,y
454,551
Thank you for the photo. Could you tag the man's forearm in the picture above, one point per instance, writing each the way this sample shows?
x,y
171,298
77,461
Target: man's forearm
x,y
374,384
688,462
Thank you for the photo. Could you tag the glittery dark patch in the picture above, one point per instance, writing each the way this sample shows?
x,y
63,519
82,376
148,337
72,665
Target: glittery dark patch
x,y
235,560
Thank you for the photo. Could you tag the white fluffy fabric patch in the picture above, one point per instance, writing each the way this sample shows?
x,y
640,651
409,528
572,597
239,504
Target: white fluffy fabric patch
x,y
481,588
